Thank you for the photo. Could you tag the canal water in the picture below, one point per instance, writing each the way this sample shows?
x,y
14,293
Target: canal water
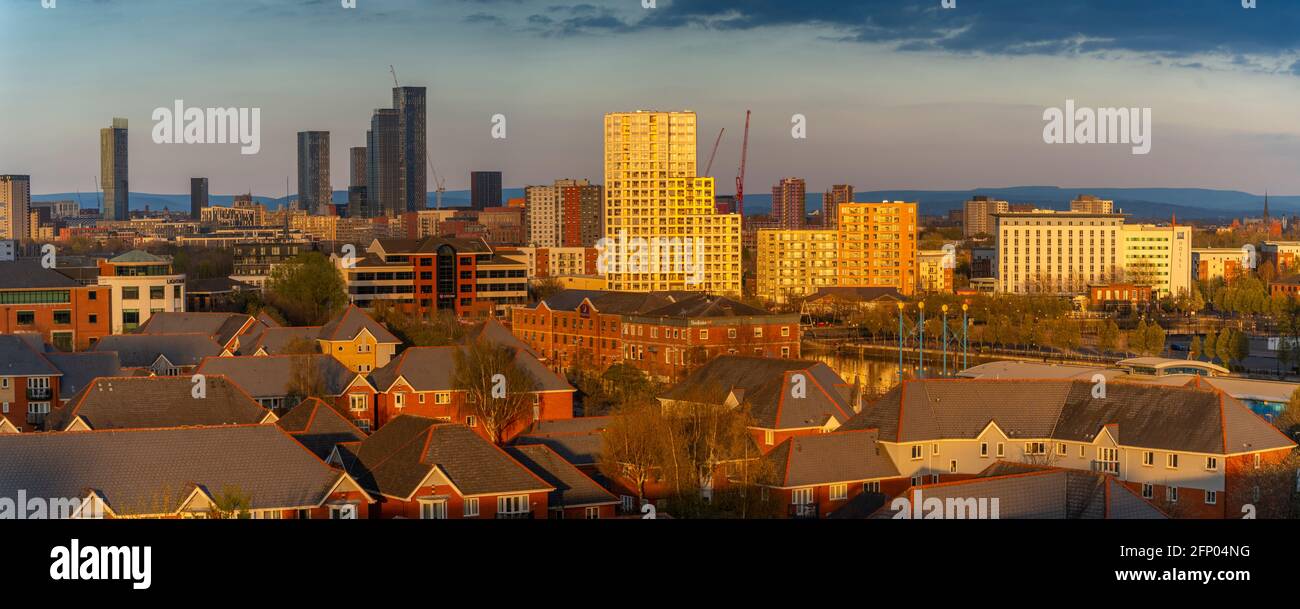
x,y
879,373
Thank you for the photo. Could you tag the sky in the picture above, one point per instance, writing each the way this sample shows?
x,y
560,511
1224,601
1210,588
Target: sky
x,y
897,94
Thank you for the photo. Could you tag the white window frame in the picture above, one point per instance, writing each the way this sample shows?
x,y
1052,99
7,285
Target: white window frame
x,y
513,504
353,400
806,493
442,397
984,450
1211,464
591,513
1002,450
470,507
433,509
1211,497
917,452
839,492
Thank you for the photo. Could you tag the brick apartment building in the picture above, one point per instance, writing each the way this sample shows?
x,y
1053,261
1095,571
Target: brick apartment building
x,y
67,314
427,276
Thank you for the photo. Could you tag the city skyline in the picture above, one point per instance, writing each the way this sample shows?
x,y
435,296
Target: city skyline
x,y
970,118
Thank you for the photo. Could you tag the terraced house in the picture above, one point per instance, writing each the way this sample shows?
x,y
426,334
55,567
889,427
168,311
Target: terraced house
x,y
1193,452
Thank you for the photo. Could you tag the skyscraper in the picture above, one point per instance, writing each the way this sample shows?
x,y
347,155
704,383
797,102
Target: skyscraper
x,y
314,189
566,214
485,189
113,171
789,205
198,197
15,203
383,166
409,102
356,203
831,201
652,193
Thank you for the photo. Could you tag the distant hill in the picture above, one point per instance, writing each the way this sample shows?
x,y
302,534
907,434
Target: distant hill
x,y
1140,203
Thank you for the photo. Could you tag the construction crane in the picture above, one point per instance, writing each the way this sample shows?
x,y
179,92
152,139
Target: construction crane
x,y
98,203
440,185
708,168
740,178
394,72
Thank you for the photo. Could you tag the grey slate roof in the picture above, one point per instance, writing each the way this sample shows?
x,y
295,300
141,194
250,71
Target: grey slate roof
x,y
160,401
17,358
612,303
493,332
269,376
572,487
431,369
847,456
79,369
705,305
577,440
1035,492
400,455
275,340
319,427
1149,416
766,385
31,275
348,325
221,327
141,472
142,350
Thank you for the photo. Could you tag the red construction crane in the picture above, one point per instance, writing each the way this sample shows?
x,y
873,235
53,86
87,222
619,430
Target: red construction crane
x,y
740,178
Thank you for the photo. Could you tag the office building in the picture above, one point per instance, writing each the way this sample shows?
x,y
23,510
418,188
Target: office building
x,y
113,171
654,197
314,191
409,103
1159,257
198,197
485,189
141,284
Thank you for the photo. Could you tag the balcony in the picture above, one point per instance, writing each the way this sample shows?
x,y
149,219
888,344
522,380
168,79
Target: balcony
x,y
804,511
36,419
39,393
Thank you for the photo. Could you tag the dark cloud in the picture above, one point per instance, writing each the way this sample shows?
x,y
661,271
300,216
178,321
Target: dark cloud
x,y
1169,28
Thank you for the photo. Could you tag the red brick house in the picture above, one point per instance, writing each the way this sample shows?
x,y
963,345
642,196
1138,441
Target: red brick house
x,y
576,494
270,380
819,474
419,382
418,467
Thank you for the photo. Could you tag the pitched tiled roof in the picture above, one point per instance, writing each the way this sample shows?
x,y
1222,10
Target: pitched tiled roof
x,y
1037,492
572,487
142,350
30,274
398,457
1144,415
432,368
348,325
612,303
319,427
274,341
767,384
577,440
17,358
79,369
270,376
848,456
162,401
705,305
222,327
493,332
151,472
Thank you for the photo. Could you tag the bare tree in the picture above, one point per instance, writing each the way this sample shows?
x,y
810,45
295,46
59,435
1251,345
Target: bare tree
x,y
498,391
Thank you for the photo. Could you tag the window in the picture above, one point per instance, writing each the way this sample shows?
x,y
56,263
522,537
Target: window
x,y
704,335
1002,450
130,293
871,487
769,437
512,506
1211,463
157,292
592,513
758,332
952,466
26,318
839,492
1171,494
1060,448
916,452
63,317
731,332
1148,491
441,397
36,412
1083,452
433,509
1035,448
356,402
362,424
984,449
1148,458
934,448
1171,461
801,496
785,331
399,399
470,421
343,511
1258,460
626,502
917,480
471,507
1211,497
1108,460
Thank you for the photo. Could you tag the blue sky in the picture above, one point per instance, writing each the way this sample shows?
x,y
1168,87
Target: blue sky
x,y
898,94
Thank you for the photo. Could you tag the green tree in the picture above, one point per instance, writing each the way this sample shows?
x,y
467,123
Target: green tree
x,y
1194,350
1108,335
1289,419
308,290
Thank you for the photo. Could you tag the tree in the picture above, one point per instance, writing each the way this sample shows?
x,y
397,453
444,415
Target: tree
x,y
1211,345
1108,335
1289,419
1194,350
498,391
543,288
231,503
305,380
633,445
308,290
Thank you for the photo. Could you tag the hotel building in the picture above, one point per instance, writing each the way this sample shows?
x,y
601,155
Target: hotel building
x,y
1058,252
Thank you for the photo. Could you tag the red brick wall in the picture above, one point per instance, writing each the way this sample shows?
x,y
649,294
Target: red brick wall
x,y
395,508
579,513
81,307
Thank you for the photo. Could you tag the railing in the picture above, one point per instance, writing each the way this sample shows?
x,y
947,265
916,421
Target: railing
x,y
36,419
1106,467
38,393
803,510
